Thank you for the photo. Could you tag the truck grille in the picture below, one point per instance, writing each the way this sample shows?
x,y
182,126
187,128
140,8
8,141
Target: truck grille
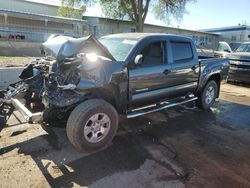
x,y
240,66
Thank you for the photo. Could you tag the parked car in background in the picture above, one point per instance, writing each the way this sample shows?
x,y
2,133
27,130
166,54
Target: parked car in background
x,y
240,64
224,48
205,53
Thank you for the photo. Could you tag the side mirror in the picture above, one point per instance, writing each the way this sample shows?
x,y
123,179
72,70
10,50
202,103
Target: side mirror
x,y
138,59
227,50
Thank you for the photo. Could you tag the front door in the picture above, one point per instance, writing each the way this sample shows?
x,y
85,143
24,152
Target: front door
x,y
148,79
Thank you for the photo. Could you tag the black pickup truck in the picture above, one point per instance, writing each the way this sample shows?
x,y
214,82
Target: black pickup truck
x,y
91,82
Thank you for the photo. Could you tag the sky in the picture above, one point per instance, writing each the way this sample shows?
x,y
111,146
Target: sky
x,y
202,14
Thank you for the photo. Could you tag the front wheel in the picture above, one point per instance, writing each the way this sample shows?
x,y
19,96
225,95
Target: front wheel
x,y
208,95
92,125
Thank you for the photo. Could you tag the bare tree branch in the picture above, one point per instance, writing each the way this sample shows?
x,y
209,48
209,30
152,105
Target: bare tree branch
x,y
128,11
145,10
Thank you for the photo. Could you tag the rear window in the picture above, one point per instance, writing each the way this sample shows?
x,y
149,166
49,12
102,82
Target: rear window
x,y
181,51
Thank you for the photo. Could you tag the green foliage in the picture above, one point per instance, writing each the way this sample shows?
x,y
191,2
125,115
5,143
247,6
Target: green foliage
x,y
137,10
134,10
71,8
168,10
114,9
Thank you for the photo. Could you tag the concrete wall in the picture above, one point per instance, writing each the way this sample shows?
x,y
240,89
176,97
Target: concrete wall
x,y
12,48
8,76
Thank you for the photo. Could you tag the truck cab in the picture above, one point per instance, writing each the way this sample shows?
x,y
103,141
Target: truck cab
x,y
165,67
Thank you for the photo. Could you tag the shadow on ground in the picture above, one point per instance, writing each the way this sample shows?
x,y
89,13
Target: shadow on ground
x,y
211,147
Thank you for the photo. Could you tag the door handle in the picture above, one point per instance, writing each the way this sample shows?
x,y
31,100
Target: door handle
x,y
194,67
166,71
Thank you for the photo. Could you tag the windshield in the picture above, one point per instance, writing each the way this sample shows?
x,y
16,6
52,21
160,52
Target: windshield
x,y
234,46
118,47
243,48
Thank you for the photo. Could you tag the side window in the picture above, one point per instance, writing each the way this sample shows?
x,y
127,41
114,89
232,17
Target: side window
x,y
181,51
153,54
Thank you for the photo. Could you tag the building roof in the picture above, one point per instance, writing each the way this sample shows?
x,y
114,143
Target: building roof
x,y
226,29
46,2
53,3
39,16
164,27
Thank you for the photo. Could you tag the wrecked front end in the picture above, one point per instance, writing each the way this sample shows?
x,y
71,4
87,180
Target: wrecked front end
x,y
50,88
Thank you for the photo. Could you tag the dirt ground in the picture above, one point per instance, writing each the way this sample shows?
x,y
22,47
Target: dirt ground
x,y
179,147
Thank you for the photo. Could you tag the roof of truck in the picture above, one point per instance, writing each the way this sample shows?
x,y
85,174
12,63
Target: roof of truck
x,y
139,36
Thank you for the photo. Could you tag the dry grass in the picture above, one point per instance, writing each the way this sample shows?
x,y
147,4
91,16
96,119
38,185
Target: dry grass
x,y
9,61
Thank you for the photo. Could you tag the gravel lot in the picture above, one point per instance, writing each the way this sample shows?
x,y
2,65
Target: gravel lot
x,y
179,147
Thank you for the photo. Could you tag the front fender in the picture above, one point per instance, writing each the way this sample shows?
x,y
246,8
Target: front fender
x,y
109,81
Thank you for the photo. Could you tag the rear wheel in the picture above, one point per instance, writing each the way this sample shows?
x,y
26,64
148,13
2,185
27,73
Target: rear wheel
x,y
92,125
208,95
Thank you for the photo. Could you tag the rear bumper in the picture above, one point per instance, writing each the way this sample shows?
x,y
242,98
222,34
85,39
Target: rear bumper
x,y
239,74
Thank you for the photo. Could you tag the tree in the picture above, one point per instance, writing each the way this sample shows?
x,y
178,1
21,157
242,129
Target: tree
x,y
134,10
71,8
137,10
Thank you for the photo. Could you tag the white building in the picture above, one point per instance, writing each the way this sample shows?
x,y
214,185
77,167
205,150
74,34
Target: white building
x,y
100,26
25,24
35,21
240,33
42,7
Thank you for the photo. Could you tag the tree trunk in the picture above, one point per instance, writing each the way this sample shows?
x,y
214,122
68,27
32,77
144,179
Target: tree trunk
x,y
139,26
139,16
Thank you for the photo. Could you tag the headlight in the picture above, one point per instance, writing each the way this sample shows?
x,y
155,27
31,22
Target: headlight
x,y
92,57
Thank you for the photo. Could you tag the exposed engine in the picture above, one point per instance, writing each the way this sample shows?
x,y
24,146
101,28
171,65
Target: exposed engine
x,y
45,86
51,87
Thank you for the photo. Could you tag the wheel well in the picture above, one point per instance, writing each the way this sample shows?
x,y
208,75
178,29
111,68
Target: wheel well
x,y
217,79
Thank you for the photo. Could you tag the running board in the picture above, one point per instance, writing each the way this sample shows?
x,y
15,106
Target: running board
x,y
164,105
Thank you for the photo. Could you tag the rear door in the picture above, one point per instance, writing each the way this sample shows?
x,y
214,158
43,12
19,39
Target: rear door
x,y
185,67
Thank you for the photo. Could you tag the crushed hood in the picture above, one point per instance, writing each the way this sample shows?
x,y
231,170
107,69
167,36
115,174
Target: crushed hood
x,y
62,47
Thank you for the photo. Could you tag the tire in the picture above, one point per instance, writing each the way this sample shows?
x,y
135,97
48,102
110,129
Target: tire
x,y
92,125
206,100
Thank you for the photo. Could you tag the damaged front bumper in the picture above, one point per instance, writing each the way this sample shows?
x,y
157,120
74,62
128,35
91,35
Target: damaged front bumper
x,y
7,108
27,114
